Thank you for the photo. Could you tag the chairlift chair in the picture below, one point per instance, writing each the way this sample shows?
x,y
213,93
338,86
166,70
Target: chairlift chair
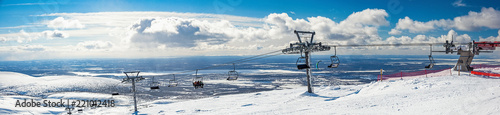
x,y
114,93
172,82
198,81
335,60
431,59
154,84
232,75
301,63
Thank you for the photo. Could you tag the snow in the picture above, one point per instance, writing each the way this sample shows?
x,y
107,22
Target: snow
x,y
446,72
446,94
18,83
436,95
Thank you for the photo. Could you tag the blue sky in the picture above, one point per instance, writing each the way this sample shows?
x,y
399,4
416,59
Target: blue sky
x,y
107,28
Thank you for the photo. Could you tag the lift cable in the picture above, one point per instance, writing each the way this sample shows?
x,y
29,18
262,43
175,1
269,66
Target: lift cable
x,y
270,54
410,44
256,57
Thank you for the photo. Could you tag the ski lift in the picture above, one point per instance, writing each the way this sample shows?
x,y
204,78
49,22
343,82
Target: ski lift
x,y
232,75
172,82
197,81
114,93
431,59
335,60
301,63
154,84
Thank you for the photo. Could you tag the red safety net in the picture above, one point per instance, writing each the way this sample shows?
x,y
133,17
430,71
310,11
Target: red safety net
x,y
485,74
409,74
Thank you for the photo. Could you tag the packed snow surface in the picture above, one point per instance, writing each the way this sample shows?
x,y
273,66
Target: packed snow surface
x,y
449,94
436,95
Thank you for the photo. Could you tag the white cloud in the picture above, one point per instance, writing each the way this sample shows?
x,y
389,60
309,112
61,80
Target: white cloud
x,y
33,48
118,19
491,38
458,3
3,39
177,32
60,22
160,34
414,26
360,27
464,38
25,37
94,45
371,17
54,34
487,18
147,33
395,32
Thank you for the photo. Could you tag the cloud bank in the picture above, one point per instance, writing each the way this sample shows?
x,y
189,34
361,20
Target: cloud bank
x,y
487,18
60,22
160,34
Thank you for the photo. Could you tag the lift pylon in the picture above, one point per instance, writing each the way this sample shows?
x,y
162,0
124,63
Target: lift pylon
x,y
133,76
307,47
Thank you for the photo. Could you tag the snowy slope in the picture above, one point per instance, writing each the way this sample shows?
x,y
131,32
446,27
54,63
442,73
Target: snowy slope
x,y
437,95
420,95
17,86
18,83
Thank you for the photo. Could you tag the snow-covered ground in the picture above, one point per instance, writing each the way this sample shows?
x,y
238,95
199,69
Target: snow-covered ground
x,y
446,94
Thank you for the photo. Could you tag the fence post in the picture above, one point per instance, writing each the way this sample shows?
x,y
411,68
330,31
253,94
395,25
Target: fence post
x,y
450,72
381,72
459,69
425,73
401,75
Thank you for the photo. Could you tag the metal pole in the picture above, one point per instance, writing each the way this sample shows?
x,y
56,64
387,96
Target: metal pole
x,y
459,69
135,100
309,85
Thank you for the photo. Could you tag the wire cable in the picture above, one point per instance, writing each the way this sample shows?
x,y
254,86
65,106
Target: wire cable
x,y
256,57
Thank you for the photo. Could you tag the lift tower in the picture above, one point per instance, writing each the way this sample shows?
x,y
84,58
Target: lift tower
x,y
305,45
133,77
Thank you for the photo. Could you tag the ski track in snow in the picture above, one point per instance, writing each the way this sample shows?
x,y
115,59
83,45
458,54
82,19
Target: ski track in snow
x,y
446,94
